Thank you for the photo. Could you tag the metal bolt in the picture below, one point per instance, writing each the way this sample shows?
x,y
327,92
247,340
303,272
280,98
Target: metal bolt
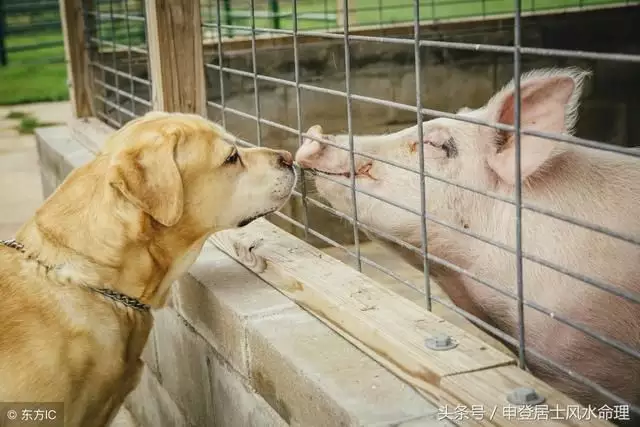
x,y
440,342
525,396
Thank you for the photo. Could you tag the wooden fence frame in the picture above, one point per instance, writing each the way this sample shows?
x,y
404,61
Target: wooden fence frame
x,y
385,326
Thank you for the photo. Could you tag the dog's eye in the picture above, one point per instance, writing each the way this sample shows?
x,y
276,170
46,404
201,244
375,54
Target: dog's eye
x,y
233,158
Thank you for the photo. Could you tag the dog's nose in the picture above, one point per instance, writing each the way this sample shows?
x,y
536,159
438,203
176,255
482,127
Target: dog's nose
x,y
285,159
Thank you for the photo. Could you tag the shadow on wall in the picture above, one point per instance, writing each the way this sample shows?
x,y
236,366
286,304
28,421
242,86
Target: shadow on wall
x,y
451,79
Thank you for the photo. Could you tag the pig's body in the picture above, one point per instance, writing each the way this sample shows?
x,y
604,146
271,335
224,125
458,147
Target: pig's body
x,y
592,186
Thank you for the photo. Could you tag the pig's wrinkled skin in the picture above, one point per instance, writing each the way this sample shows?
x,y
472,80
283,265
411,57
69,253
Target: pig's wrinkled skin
x,y
593,186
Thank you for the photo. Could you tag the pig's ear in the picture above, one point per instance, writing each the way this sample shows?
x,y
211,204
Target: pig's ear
x,y
549,103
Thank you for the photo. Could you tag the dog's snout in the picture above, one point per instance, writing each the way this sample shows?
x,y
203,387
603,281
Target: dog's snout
x,y
285,159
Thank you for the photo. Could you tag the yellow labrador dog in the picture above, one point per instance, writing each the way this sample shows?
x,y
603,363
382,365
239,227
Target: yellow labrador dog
x,y
78,281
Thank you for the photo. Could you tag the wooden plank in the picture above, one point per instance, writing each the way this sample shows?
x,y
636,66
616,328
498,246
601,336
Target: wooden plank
x,y
488,390
387,327
176,60
77,57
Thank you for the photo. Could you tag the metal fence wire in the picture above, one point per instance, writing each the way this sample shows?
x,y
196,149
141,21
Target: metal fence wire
x,y
118,59
242,81
30,32
273,70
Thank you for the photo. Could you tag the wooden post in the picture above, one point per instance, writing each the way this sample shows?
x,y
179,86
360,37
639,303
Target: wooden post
x,y
176,60
77,57
340,13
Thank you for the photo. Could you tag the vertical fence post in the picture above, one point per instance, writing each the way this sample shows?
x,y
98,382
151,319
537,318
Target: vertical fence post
x,y
275,9
176,61
3,25
228,17
77,57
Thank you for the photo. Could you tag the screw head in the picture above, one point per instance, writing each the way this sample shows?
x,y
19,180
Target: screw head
x,y
525,396
440,342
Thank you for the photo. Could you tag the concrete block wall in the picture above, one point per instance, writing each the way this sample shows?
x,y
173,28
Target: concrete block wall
x,y
231,351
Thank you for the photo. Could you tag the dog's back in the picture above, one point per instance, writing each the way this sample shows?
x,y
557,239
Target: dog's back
x,y
50,345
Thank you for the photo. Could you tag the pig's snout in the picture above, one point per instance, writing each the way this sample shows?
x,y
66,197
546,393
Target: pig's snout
x,y
310,150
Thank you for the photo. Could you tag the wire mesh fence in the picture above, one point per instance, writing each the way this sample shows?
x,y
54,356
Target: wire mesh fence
x,y
31,52
328,14
119,63
30,32
392,163
543,265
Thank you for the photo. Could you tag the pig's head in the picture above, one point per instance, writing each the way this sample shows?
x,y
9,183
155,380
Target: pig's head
x,y
471,154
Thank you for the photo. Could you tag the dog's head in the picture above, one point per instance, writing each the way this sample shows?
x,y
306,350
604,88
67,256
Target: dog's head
x,y
183,169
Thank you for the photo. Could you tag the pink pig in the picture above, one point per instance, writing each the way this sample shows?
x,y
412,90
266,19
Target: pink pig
x,y
593,186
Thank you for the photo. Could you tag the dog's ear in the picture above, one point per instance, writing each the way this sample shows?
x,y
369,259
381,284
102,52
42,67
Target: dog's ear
x,y
149,178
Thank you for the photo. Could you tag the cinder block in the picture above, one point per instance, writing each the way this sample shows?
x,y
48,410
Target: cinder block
x,y
58,154
151,405
312,377
47,141
182,363
150,353
79,158
55,146
124,419
219,296
49,183
235,404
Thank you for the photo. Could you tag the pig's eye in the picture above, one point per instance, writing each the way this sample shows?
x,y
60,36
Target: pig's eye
x,y
450,148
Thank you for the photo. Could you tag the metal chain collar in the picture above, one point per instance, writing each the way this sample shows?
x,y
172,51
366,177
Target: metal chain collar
x,y
109,293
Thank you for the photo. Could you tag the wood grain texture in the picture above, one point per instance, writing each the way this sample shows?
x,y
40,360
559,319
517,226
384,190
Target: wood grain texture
x,y
387,327
392,330
489,389
176,60
76,56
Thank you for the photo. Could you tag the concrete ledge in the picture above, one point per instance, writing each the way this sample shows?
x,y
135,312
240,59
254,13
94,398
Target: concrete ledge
x,y
305,371
236,352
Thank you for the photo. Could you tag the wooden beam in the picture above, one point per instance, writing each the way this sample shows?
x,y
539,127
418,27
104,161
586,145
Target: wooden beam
x,y
384,325
489,388
176,60
387,327
77,57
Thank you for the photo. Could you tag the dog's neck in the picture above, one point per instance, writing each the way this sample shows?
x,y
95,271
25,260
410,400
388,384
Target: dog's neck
x,y
123,249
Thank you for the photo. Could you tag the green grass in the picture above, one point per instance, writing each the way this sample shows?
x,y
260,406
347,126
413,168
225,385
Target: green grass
x,y
16,115
28,123
26,80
